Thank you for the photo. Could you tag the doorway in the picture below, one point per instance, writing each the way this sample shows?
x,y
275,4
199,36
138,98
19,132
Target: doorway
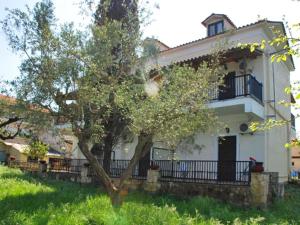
x,y
227,89
227,158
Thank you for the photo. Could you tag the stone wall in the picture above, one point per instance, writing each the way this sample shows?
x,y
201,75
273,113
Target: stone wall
x,y
263,189
238,195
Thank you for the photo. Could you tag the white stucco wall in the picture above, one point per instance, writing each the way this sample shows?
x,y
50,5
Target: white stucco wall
x,y
248,145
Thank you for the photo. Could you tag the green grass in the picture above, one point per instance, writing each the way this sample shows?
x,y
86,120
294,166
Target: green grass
x,y
25,199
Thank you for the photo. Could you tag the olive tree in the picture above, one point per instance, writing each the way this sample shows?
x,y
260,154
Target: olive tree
x,y
97,80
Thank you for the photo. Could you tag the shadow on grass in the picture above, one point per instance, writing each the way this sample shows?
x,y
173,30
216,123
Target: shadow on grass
x,y
60,193
284,211
64,192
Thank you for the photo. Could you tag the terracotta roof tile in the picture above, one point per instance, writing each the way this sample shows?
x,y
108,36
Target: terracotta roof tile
x,y
201,39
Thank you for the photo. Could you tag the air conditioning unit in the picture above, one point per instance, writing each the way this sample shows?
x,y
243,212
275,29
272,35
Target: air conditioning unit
x,y
244,128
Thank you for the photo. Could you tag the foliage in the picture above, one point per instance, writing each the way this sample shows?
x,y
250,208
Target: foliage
x,y
177,105
97,80
287,46
37,149
28,200
284,47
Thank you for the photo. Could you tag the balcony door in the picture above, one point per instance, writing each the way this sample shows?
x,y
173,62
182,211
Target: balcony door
x,y
227,158
227,89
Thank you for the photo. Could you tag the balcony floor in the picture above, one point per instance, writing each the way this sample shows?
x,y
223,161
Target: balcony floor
x,y
238,105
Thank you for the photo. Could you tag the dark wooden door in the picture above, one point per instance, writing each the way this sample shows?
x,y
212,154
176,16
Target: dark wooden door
x,y
227,158
227,89
144,165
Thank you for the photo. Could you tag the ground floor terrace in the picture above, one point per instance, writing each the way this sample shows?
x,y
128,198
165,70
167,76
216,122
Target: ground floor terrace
x,y
238,182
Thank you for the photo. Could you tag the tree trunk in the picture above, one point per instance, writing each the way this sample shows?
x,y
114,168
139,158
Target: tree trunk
x,y
117,193
107,149
142,148
100,172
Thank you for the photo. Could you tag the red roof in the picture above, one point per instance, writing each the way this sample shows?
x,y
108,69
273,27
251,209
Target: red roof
x,y
12,100
8,99
238,28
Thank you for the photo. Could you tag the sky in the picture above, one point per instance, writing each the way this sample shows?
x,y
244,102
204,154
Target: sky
x,y
174,23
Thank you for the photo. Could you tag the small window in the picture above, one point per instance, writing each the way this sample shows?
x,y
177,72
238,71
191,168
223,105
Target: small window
x,y
219,27
215,28
211,30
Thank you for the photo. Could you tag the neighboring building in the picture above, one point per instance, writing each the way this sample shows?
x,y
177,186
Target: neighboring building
x,y
296,159
15,148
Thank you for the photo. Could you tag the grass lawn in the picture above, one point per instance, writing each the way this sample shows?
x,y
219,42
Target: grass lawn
x,y
28,200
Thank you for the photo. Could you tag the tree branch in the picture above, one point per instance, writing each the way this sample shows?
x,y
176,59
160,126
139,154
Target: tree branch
x,y
9,121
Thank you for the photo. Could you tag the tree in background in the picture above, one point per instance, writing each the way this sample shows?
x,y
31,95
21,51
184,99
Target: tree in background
x,y
124,12
37,150
96,80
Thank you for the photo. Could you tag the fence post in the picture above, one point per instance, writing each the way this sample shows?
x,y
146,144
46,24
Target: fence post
x,y
152,184
259,189
84,174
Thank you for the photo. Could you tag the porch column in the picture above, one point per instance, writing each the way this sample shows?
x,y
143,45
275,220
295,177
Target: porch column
x,y
152,184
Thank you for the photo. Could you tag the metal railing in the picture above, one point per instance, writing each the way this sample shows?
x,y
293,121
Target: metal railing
x,y
205,171
28,166
117,167
237,86
67,165
197,171
191,171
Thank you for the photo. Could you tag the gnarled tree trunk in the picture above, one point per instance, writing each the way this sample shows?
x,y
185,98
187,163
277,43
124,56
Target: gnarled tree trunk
x,y
142,148
116,192
100,172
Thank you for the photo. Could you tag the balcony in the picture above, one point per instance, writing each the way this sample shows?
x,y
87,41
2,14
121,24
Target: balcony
x,y
238,95
238,86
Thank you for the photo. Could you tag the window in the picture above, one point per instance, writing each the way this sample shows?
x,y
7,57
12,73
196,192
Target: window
x,y
215,28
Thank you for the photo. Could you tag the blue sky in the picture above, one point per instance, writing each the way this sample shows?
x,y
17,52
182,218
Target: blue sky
x,y
176,21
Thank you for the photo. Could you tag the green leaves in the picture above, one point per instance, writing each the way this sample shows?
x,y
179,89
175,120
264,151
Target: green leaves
x,y
37,149
96,79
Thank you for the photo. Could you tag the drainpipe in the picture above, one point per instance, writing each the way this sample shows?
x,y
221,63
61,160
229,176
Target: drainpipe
x,y
266,70
274,89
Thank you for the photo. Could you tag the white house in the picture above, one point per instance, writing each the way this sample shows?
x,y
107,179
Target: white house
x,y
254,86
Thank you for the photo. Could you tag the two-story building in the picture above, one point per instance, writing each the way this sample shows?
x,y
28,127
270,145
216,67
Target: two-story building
x,y
252,89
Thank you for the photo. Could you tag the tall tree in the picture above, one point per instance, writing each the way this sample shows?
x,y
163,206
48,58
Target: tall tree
x,y
96,80
124,12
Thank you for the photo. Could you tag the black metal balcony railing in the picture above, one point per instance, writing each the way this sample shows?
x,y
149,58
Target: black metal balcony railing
x,y
237,86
